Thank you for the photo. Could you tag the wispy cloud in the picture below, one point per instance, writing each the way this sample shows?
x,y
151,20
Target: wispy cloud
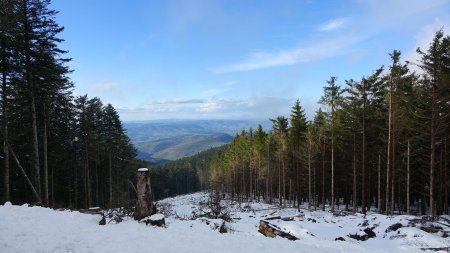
x,y
176,101
223,108
333,24
312,52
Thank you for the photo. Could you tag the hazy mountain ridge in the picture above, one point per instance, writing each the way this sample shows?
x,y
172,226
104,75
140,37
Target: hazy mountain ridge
x,y
181,146
159,129
158,141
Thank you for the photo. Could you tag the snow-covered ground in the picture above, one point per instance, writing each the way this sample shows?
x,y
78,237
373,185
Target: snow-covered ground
x,y
37,229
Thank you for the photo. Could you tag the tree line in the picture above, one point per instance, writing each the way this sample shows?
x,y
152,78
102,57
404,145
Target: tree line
x,y
58,149
380,141
185,175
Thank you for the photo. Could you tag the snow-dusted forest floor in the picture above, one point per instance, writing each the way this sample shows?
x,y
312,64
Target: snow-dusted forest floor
x,y
37,229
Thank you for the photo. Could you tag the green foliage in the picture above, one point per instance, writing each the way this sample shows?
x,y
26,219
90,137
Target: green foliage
x,y
75,150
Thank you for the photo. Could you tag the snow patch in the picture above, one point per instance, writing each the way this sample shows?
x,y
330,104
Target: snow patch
x,y
156,217
38,229
142,169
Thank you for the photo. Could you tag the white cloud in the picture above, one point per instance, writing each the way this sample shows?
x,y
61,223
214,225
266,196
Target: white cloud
x,y
312,52
215,108
176,101
333,24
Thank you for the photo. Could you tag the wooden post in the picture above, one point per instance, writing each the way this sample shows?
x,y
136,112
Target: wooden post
x,y
144,203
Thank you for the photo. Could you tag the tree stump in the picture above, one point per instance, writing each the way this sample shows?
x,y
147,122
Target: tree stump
x,y
156,220
144,202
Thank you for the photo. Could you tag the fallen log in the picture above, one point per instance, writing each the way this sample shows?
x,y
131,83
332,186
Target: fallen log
x,y
270,230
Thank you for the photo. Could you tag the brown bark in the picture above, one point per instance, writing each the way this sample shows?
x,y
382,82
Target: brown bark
x,y
388,150
110,178
45,156
354,174
407,181
24,174
432,148
332,154
31,89
309,175
87,179
379,182
323,175
144,203
445,178
393,170
363,160
270,230
5,138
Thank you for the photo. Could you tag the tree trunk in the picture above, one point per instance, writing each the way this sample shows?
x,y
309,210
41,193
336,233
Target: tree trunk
x,y
332,158
110,179
393,170
284,179
354,174
144,203
445,178
53,187
45,157
323,175
309,175
432,150
5,138
388,161
75,182
407,181
87,179
379,182
268,172
279,181
314,188
32,103
24,174
35,141
363,160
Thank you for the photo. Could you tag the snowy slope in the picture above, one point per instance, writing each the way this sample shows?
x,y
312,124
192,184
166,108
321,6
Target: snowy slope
x,y
37,229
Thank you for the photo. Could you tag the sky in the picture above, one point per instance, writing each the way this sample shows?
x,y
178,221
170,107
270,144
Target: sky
x,y
232,59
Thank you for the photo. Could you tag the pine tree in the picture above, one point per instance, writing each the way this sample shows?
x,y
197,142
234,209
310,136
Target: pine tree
x,y
332,98
297,136
434,63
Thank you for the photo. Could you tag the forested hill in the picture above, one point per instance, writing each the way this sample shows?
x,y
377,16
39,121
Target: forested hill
x,y
180,146
58,149
159,141
150,130
186,175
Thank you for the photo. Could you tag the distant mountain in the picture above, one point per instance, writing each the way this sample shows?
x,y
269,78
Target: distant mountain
x,y
149,158
139,131
159,151
158,141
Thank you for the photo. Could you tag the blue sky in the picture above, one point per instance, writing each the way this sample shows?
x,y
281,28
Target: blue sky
x,y
205,59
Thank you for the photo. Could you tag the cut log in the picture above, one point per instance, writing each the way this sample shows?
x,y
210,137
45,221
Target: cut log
x,y
273,218
144,203
155,220
393,227
368,233
270,230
